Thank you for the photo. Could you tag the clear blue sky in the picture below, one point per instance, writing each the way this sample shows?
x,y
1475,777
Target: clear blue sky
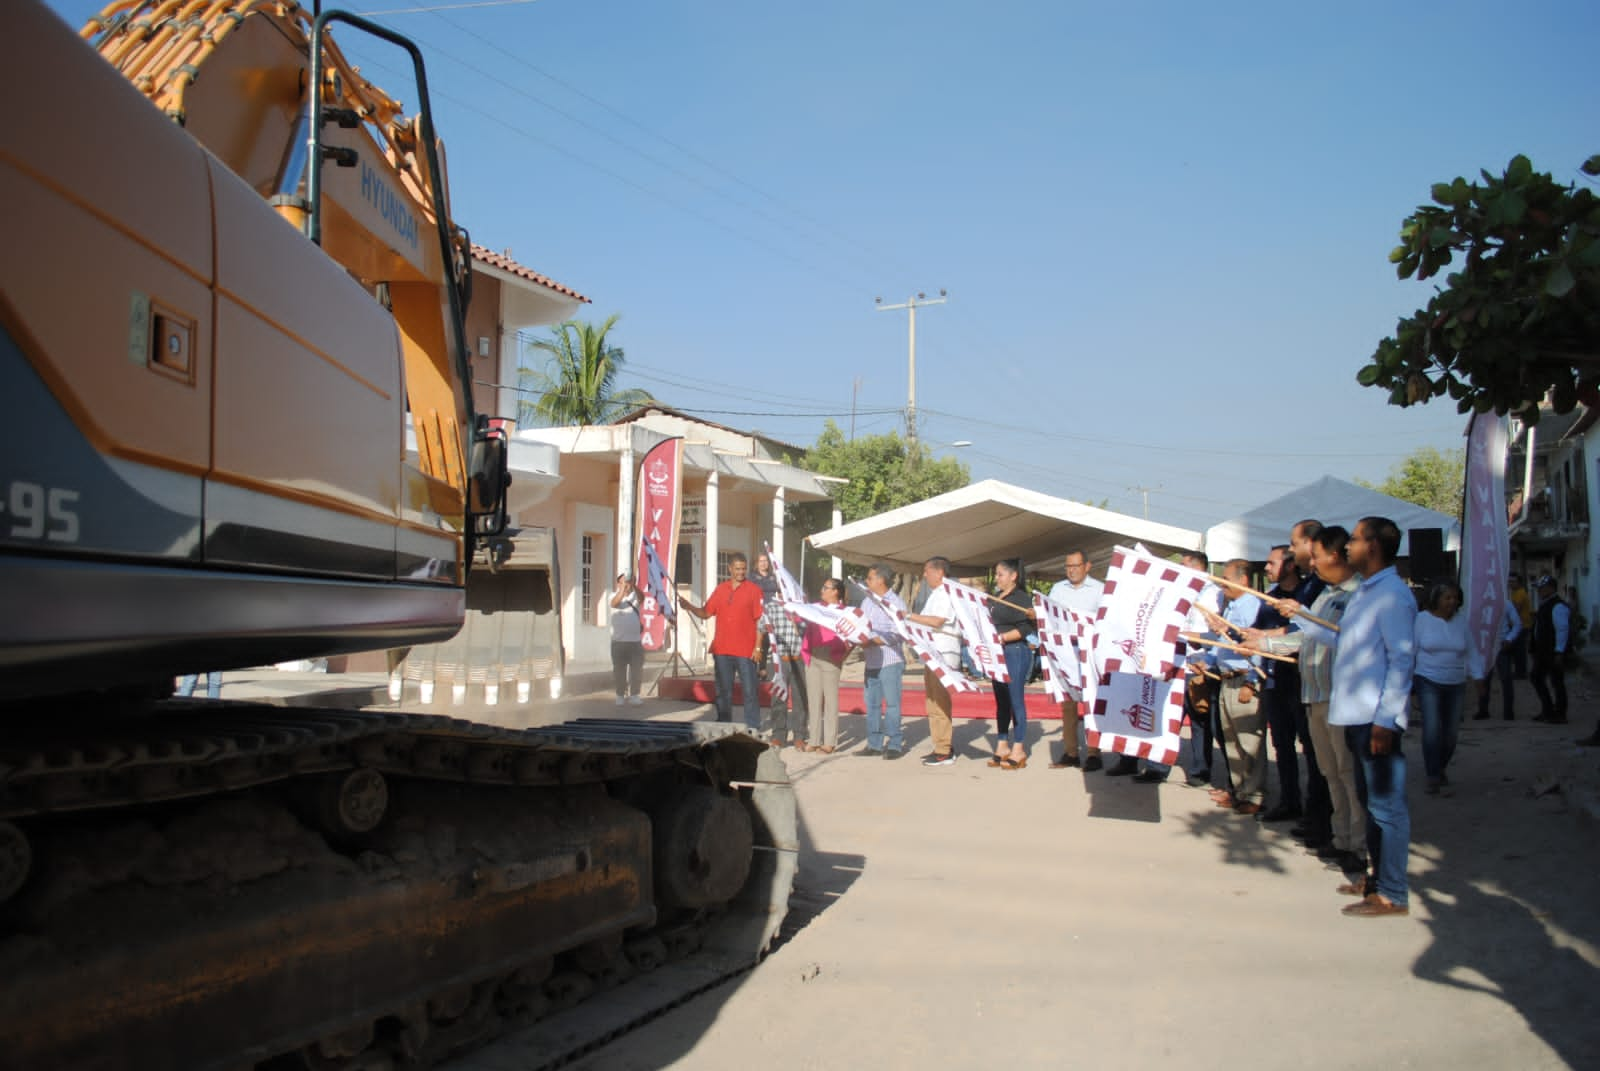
x,y
1164,227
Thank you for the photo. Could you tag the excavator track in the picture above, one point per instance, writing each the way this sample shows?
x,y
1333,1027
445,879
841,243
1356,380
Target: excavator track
x,y
226,885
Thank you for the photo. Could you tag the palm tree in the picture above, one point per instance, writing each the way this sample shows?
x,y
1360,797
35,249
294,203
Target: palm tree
x,y
578,383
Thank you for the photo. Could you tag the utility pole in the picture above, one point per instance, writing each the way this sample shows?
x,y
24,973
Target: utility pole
x,y
855,389
911,305
1145,491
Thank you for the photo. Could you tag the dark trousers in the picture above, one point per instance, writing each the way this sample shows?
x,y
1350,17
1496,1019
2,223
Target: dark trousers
x,y
627,666
1502,668
1200,705
1318,800
1281,703
1549,675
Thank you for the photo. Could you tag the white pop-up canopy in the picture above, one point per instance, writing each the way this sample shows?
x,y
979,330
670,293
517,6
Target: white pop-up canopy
x,y
1330,500
984,522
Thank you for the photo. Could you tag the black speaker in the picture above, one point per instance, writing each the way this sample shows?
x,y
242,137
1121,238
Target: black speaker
x,y
1428,560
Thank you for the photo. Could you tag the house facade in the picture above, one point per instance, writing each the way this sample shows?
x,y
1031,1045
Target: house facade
x,y
1552,479
738,495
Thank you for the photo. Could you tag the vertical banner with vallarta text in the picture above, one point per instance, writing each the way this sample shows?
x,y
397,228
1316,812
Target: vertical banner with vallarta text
x,y
1485,546
659,491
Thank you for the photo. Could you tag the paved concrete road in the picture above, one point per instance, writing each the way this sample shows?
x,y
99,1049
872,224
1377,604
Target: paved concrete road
x,y
965,917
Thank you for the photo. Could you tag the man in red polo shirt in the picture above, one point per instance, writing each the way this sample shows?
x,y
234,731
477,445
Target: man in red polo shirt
x,y
736,604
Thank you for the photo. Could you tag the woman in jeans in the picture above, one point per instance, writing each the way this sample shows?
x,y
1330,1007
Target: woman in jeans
x,y
1011,610
1446,657
824,653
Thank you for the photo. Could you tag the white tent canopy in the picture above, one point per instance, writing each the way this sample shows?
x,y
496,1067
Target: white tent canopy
x,y
984,522
1329,500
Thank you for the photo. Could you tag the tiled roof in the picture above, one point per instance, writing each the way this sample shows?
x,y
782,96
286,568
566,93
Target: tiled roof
x,y
506,264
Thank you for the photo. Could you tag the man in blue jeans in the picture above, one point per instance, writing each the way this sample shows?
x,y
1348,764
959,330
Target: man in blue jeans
x,y
737,605
885,666
187,682
1373,658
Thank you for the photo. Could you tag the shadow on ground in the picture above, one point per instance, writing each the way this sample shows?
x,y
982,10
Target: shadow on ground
x,y
1504,872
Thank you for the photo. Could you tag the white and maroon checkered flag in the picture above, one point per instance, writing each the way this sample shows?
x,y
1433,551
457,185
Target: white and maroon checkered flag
x,y
846,622
1137,715
977,629
789,589
1067,639
1143,608
921,639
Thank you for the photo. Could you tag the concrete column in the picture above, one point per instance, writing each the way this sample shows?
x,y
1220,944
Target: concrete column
x,y
713,519
838,562
777,526
627,548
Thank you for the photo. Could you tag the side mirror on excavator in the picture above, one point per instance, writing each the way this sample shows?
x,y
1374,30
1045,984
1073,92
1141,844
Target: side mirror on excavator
x,y
489,480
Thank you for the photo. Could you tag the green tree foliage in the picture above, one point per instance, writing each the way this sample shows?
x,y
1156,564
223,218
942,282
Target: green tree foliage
x,y
1520,316
577,385
1429,477
882,471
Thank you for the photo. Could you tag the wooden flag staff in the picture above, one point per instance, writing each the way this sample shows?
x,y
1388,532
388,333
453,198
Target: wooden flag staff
x,y
1300,612
1190,637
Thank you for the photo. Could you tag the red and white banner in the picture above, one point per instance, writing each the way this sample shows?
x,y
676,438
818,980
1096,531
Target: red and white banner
x,y
922,640
1485,547
1144,606
977,629
1138,715
846,622
659,490
1067,639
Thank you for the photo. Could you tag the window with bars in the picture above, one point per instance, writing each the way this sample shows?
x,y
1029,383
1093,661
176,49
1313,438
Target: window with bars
x,y
724,559
587,573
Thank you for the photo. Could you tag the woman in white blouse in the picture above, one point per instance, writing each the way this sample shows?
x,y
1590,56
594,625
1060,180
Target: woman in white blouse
x,y
1446,657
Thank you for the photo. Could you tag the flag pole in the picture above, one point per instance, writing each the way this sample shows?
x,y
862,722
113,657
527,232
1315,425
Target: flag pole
x,y
1189,637
1300,611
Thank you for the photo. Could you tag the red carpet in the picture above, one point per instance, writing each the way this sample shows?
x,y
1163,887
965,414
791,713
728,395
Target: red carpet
x,y
852,698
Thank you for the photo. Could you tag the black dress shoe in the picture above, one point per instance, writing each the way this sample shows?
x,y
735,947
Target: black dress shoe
x,y
1121,769
1066,762
1281,813
1297,831
1092,763
1149,777
1327,851
1198,780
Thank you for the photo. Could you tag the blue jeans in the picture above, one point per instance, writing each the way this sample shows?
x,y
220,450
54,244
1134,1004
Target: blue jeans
x,y
1381,788
883,705
1441,722
726,665
1010,706
186,684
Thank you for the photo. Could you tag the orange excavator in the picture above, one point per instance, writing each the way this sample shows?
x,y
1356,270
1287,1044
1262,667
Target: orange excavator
x,y
231,293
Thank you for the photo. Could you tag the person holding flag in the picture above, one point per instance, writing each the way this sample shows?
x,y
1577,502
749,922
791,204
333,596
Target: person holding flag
x,y
885,666
824,652
1011,610
736,604
1080,592
939,614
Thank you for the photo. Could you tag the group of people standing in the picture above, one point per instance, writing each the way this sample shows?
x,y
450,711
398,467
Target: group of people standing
x,y
1331,663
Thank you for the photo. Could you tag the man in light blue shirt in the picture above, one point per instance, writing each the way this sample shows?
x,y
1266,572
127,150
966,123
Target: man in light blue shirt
x,y
1244,726
885,666
1373,659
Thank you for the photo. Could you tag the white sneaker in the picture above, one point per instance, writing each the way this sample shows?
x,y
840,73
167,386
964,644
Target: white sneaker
x,y
620,700
635,701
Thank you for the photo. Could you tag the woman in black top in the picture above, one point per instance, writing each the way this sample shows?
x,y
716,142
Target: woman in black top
x,y
1011,610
